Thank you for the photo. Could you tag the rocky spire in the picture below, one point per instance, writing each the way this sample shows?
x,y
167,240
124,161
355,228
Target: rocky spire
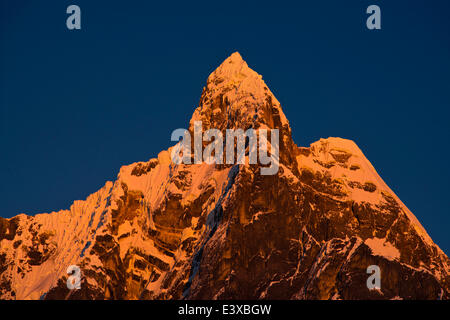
x,y
236,97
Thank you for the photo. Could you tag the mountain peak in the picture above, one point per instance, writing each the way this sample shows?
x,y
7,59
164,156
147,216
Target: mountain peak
x,y
235,57
235,71
236,96
232,67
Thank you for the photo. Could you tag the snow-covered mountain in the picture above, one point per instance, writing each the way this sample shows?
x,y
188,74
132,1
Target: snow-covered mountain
x,y
217,231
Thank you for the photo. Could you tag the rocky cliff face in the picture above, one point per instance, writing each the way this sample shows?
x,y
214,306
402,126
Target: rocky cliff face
x,y
209,231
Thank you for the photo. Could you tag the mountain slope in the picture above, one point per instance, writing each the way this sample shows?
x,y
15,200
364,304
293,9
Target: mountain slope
x,y
210,231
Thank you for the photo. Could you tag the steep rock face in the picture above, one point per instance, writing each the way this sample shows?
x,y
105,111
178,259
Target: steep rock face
x,y
206,231
313,236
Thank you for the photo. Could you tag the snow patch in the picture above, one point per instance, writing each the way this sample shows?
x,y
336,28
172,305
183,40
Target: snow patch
x,y
381,247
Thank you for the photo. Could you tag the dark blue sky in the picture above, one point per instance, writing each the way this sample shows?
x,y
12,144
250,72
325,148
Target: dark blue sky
x,y
76,105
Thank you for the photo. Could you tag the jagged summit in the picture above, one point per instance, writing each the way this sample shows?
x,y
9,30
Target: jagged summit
x,y
235,96
233,68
